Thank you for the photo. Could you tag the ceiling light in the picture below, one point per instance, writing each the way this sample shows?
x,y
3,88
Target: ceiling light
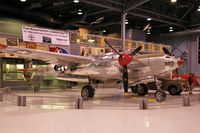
x,y
198,9
148,19
126,22
80,12
148,32
23,0
104,30
76,1
173,1
171,29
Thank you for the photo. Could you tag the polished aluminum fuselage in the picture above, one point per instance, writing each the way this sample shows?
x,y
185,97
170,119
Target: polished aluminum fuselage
x,y
142,67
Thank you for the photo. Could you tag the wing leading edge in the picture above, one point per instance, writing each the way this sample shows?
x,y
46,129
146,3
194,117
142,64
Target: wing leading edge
x,y
49,57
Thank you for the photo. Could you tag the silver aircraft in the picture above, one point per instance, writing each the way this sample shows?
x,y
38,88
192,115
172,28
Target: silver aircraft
x,y
133,69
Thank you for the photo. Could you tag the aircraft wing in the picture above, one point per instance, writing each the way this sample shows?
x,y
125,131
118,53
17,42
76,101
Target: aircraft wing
x,y
49,57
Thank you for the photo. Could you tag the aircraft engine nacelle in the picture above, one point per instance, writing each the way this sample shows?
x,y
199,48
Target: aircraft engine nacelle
x,y
60,68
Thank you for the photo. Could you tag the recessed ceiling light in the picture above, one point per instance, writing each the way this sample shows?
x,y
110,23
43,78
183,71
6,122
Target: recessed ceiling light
x,y
171,29
148,19
126,22
148,32
23,0
80,12
76,1
198,9
173,1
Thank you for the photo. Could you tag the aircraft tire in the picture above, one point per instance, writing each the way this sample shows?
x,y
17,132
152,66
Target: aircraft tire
x,y
87,92
173,90
142,90
160,95
134,89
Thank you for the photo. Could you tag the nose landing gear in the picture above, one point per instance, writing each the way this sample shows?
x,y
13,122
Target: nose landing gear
x,y
160,94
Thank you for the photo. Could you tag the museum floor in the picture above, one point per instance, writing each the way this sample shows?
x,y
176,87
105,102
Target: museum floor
x,y
110,112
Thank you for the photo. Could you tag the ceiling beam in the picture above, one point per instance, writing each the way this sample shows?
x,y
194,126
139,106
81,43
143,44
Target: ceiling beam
x,y
193,25
136,4
115,2
156,19
159,14
57,6
131,13
161,25
107,24
98,12
187,12
100,5
181,33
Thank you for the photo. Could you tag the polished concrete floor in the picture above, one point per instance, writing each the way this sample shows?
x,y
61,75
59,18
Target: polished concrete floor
x,y
110,111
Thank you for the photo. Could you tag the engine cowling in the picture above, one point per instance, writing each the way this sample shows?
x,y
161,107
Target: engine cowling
x,y
60,68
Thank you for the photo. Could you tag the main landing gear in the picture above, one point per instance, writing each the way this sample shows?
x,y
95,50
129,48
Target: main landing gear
x,y
87,92
140,89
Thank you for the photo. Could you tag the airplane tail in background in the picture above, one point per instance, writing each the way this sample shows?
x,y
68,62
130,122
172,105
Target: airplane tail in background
x,y
58,49
63,51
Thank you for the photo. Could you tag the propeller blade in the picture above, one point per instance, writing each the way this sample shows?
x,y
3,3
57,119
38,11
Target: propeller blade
x,y
136,51
166,51
183,55
125,78
108,43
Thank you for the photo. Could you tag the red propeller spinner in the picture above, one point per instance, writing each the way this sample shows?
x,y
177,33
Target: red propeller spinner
x,y
124,59
180,62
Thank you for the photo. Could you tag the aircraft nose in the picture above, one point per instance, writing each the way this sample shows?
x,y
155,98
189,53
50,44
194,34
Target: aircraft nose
x,y
180,62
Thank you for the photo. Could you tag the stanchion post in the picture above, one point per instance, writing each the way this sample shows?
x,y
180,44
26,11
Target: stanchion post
x,y
199,97
143,103
186,101
21,101
1,97
78,103
8,91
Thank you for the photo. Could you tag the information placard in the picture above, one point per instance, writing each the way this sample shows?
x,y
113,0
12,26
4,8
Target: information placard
x,y
42,35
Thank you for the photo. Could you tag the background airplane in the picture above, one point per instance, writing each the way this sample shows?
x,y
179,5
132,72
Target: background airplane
x,y
132,68
196,78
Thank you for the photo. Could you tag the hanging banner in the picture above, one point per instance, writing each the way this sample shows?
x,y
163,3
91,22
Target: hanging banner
x,y
42,35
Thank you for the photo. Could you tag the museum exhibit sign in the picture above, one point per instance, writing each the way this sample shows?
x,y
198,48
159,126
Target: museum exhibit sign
x,y
43,35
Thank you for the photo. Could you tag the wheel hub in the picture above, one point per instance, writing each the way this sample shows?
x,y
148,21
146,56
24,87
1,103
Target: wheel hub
x,y
159,96
85,93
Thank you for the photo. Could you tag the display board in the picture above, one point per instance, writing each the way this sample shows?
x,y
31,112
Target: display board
x,y
90,51
43,35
